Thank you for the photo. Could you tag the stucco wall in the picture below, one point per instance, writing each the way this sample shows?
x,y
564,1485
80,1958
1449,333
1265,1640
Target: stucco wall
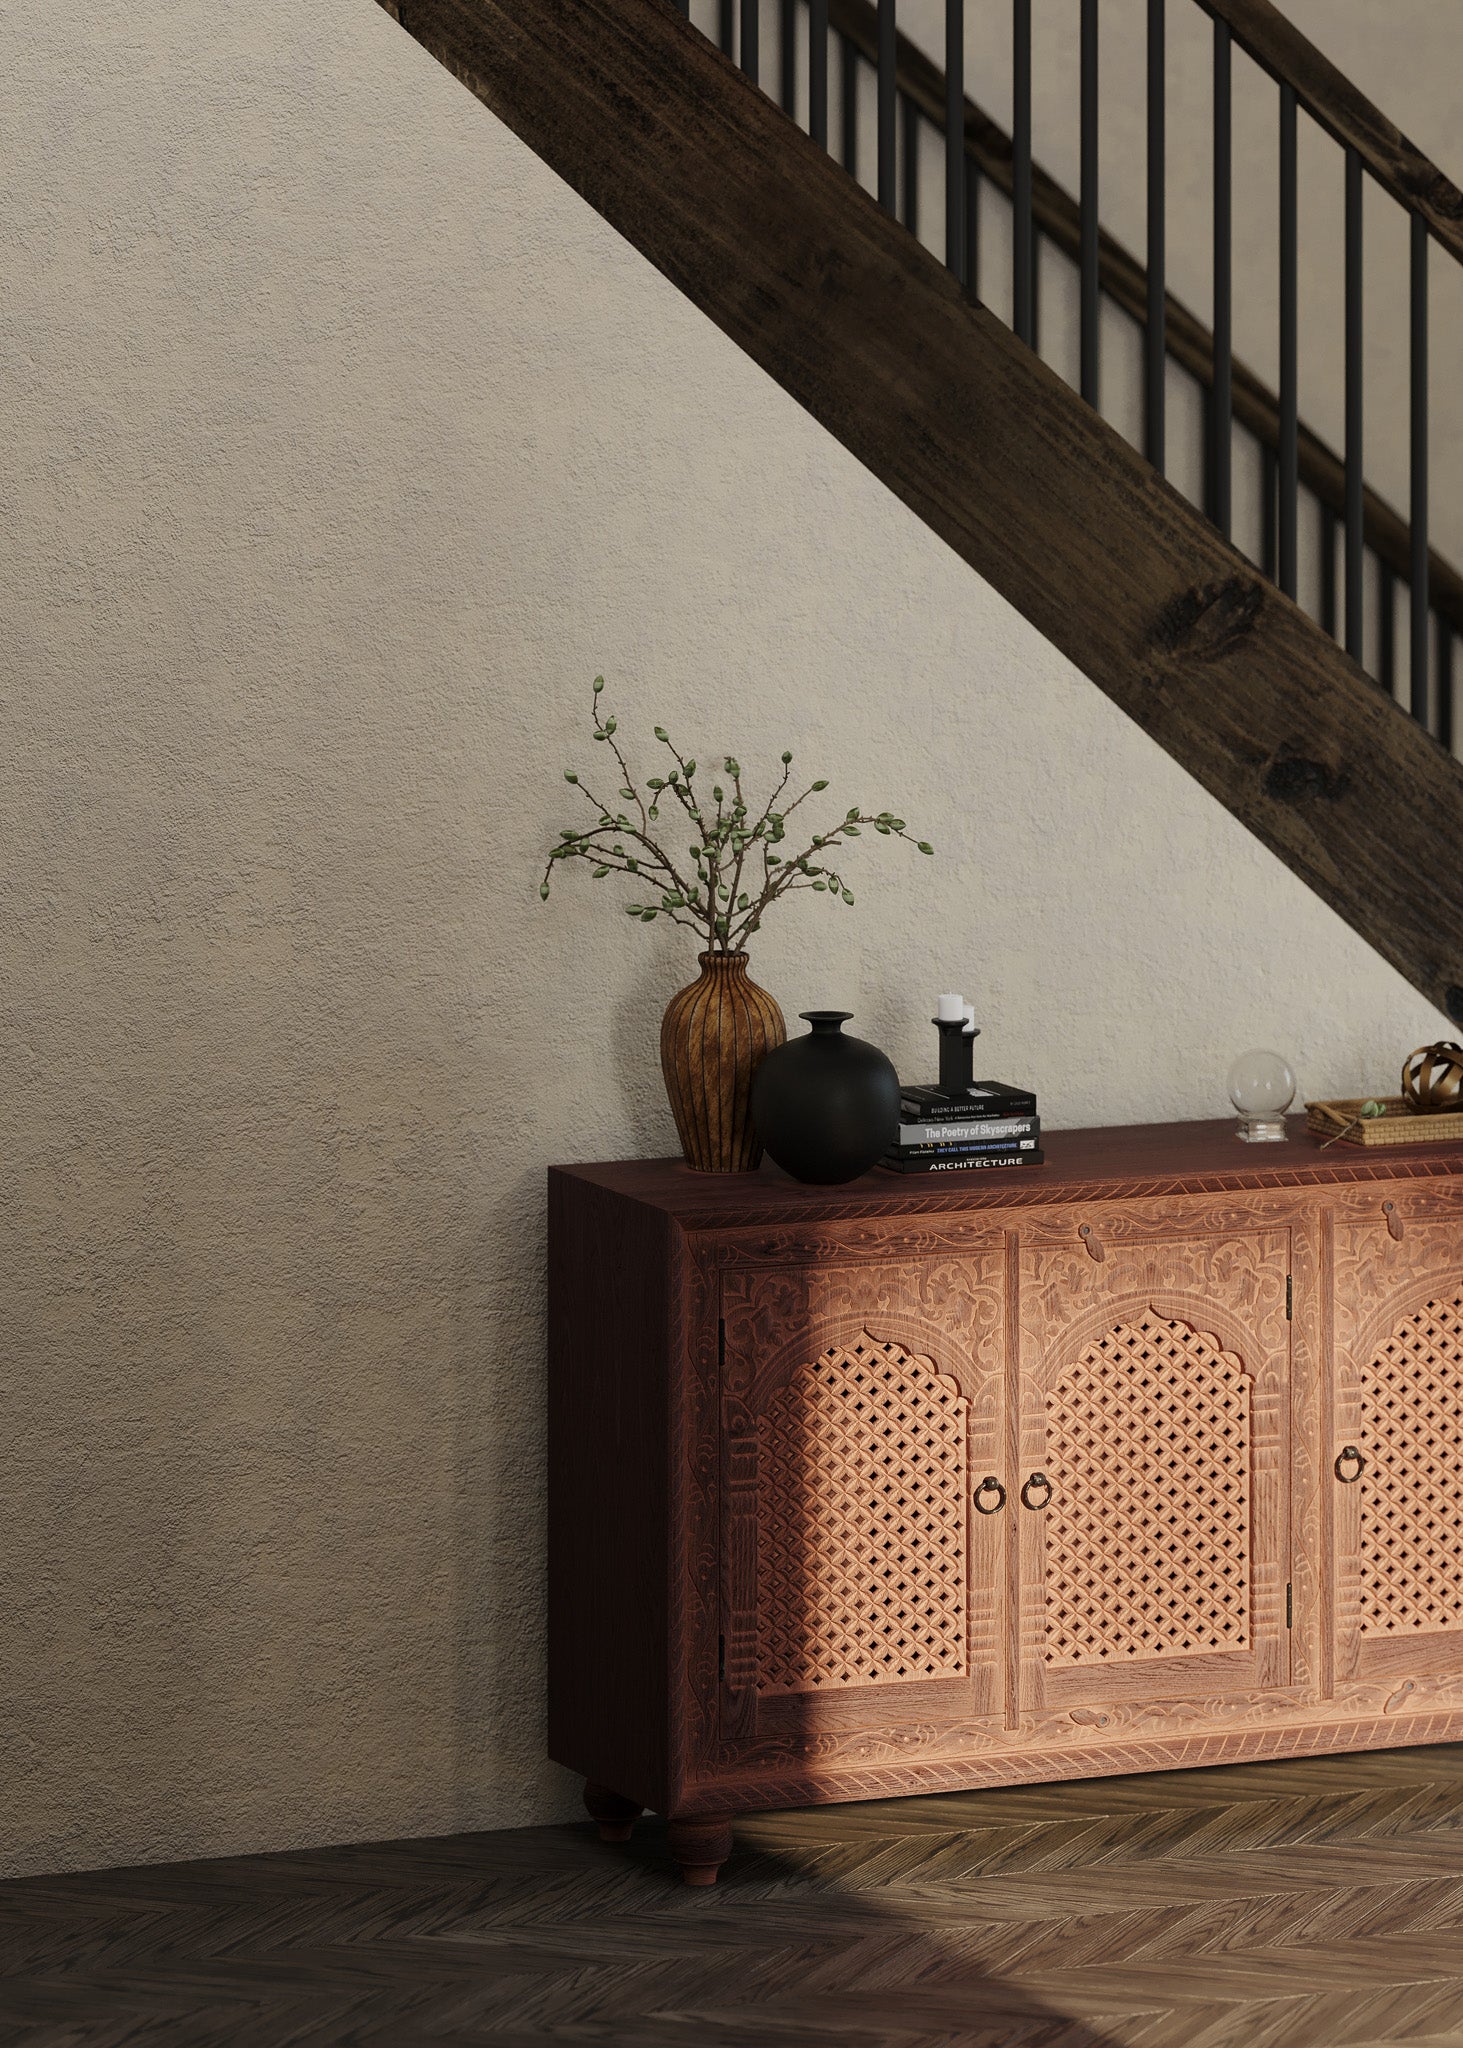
x,y
342,446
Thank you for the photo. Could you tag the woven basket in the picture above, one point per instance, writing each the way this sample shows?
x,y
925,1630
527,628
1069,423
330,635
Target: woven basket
x,y
1400,1124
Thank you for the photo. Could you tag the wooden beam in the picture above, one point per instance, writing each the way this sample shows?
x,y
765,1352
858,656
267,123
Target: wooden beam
x,y
771,239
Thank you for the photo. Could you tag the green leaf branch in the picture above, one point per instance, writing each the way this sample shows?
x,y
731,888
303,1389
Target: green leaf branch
x,y
733,870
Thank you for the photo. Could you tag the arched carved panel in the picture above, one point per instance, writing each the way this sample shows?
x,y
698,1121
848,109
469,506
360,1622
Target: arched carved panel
x,y
861,1523
1148,1534
1411,1538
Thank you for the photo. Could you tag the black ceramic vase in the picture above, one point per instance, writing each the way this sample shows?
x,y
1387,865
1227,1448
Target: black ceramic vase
x,y
825,1106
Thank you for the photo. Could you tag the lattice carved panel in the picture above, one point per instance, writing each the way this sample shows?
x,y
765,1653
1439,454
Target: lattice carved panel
x,y
1412,1432
861,1523
1148,1533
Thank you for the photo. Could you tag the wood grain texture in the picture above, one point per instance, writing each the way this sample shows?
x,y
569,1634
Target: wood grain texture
x,y
825,1511
613,1816
1157,1566
1122,1163
1308,1904
700,1846
844,1383
713,1037
1399,1398
705,176
1124,279
612,1306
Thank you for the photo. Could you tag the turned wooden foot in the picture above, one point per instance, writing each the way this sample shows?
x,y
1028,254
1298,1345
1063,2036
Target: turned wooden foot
x,y
700,1846
616,1815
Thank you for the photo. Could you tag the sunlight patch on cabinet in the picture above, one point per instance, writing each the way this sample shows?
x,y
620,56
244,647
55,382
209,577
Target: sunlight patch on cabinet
x,y
1412,1430
1148,1532
862,1530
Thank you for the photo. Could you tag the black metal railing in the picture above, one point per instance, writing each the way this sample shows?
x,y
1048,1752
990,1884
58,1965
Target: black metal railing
x,y
1155,349
1221,392
1369,554
1089,257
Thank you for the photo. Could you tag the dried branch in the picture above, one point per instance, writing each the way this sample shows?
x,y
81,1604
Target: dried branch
x,y
715,904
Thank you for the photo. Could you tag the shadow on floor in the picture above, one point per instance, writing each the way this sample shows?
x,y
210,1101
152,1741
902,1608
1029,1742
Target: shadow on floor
x,y
1309,1903
532,1935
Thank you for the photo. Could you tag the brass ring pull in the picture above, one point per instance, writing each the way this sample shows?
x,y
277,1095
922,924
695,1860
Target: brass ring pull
x,y
1349,1455
1049,1492
990,1484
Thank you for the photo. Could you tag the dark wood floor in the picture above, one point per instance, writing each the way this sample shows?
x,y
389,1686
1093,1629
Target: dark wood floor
x,y
1289,1905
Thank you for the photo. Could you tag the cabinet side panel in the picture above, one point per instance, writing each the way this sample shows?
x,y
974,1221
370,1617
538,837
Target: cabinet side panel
x,y
610,1279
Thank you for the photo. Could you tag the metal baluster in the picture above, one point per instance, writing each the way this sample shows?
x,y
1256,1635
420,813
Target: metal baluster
x,y
726,27
888,107
848,105
1328,571
787,54
1445,682
909,151
1221,398
1289,347
1023,315
818,71
1387,630
1155,352
972,227
751,37
1036,287
1355,393
1269,533
1091,371
955,136
1420,603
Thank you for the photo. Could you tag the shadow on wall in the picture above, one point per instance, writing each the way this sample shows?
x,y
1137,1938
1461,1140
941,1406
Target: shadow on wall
x,y
498,1636
634,1046
499,1588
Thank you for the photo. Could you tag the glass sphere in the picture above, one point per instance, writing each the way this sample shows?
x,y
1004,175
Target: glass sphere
x,y
1262,1088
1261,1084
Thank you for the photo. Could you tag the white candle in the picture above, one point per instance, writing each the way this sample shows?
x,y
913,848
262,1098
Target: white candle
x,y
969,1014
951,1010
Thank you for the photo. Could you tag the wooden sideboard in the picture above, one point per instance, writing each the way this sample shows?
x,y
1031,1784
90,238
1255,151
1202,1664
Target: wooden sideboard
x,y
1152,1456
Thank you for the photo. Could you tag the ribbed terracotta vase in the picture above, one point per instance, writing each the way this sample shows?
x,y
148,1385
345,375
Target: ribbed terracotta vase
x,y
712,1039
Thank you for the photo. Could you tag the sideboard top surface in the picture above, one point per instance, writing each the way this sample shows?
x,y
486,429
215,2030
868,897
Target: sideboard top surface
x,y
1103,1164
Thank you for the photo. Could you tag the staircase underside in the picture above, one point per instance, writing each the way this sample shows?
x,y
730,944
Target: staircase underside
x,y
836,301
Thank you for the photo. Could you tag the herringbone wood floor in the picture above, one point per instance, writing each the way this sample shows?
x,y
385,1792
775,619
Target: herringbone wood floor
x,y
1287,1905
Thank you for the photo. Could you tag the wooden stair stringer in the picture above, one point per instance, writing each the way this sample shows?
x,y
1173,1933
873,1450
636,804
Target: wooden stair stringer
x,y
764,232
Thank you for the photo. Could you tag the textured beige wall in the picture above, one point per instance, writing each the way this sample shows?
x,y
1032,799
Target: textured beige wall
x,y
342,446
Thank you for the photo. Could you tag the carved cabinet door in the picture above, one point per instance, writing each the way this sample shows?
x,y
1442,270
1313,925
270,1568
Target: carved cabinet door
x,y
862,1547
1154,1478
1394,1463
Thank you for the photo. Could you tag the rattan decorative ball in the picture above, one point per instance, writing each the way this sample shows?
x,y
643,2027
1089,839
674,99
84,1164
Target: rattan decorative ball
x,y
1433,1077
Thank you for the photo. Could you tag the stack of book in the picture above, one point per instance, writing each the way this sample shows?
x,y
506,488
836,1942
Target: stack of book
x,y
987,1124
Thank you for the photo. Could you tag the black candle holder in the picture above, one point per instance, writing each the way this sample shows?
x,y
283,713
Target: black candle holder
x,y
957,1054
